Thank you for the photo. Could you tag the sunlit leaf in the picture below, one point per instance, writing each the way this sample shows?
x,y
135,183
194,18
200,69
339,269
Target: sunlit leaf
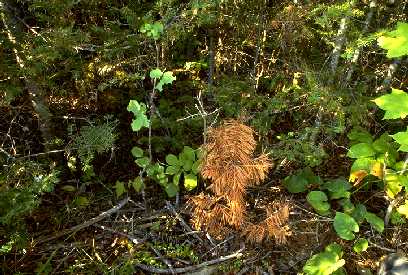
x,y
402,139
403,209
190,181
156,73
396,41
325,263
360,245
361,150
394,104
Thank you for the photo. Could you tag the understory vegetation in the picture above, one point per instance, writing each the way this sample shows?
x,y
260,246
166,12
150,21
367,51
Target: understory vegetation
x,y
209,136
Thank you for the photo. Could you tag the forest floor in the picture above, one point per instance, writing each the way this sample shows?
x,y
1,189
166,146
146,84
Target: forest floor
x,y
148,233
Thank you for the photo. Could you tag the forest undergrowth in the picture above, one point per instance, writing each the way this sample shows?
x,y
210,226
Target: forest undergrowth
x,y
203,137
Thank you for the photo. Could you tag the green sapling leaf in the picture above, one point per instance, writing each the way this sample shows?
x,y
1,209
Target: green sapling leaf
x,y
402,139
172,160
137,152
375,221
345,225
295,183
395,104
156,73
120,188
171,189
361,150
396,41
327,262
360,245
318,200
142,162
190,181
138,184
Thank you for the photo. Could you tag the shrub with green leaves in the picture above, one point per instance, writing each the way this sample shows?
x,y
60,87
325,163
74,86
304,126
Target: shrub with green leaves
x,y
346,222
327,262
22,183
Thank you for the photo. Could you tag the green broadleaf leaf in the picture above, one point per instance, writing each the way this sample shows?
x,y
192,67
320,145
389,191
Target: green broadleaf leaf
x,y
359,213
188,153
396,41
171,190
325,263
172,170
403,209
360,245
176,178
362,164
318,200
402,139
167,78
393,184
139,111
172,160
156,73
361,150
295,183
190,181
345,225
338,188
375,221
138,184
360,135
142,162
137,152
395,104
120,188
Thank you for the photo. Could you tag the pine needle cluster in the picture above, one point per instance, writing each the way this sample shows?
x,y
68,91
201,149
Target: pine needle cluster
x,y
231,167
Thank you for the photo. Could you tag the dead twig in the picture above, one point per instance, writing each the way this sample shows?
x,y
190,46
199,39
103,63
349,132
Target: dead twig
x,y
92,221
181,220
130,237
190,268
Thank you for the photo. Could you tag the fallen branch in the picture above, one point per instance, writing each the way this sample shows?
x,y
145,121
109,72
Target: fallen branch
x,y
152,269
92,221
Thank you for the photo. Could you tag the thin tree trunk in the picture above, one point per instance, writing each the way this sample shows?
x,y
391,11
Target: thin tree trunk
x,y
12,28
356,54
339,43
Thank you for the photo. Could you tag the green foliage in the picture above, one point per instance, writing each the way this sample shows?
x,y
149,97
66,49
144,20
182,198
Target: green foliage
x,y
394,104
154,30
360,245
162,78
139,111
345,225
327,262
22,184
318,200
396,41
91,140
301,180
